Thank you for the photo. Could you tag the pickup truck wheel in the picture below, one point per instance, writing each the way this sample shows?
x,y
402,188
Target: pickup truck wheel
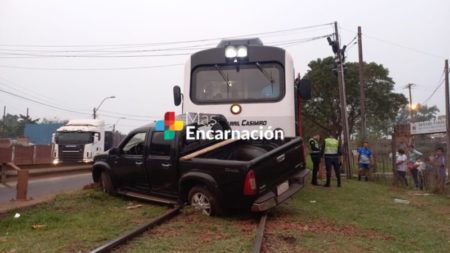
x,y
106,184
203,200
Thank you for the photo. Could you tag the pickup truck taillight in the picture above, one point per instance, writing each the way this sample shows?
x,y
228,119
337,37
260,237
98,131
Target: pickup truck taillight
x,y
250,183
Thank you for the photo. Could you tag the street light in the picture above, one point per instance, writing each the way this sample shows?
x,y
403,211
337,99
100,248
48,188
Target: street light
x,y
98,107
413,108
117,122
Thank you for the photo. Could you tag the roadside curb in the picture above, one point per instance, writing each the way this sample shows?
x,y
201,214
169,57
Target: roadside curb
x,y
16,204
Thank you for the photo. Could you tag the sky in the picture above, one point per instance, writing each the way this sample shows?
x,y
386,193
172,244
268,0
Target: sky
x,y
410,38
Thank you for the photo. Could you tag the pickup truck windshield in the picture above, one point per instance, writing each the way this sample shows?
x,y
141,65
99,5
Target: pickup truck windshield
x,y
74,137
253,82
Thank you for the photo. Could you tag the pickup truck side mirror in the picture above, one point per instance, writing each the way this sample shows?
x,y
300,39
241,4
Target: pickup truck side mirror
x,y
177,95
304,89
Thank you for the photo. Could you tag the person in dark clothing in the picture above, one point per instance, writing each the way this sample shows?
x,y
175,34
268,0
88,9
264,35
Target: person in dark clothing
x,y
332,153
316,154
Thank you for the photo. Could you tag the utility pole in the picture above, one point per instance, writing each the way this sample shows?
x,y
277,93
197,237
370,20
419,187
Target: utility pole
x,y
362,93
4,122
342,97
94,114
409,86
447,115
28,112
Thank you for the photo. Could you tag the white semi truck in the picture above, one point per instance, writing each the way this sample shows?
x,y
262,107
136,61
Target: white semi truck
x,y
252,85
80,140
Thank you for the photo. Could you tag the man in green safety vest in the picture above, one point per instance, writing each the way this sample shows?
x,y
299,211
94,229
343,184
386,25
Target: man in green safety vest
x,y
316,154
332,153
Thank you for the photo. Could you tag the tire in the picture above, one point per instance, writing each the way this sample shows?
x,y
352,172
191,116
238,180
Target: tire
x,y
204,201
106,183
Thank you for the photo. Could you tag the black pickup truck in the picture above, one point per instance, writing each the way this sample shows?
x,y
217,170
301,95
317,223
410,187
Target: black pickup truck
x,y
212,176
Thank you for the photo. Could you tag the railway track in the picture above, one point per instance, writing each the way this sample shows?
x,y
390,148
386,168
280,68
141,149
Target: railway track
x,y
109,246
128,236
257,246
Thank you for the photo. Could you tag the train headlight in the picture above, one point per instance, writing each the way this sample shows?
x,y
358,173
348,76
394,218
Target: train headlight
x,y
230,52
236,52
242,51
236,109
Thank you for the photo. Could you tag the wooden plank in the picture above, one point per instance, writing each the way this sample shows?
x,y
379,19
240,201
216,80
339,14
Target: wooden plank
x,y
12,165
22,185
208,149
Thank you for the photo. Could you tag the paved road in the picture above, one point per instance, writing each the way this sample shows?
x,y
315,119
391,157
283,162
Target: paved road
x,y
40,187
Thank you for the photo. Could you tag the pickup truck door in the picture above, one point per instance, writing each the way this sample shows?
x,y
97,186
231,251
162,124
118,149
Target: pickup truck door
x,y
163,171
128,165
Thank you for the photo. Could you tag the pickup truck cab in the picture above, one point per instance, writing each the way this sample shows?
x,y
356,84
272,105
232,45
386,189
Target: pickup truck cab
x,y
210,175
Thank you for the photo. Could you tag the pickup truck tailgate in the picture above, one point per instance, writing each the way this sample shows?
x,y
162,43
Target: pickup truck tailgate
x,y
275,167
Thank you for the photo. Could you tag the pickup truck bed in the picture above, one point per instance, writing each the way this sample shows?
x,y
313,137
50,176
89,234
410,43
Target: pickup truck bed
x,y
271,163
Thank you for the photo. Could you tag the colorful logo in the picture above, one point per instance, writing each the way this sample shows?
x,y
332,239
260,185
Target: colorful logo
x,y
169,125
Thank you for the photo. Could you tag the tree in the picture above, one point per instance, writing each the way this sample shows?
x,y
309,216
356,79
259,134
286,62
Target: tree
x,y
323,111
10,126
424,113
23,120
13,125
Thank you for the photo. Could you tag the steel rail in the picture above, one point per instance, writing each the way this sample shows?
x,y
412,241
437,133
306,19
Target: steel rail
x,y
260,234
109,246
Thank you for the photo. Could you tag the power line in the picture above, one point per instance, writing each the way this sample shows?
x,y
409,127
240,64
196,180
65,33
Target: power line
x,y
31,93
109,50
25,54
109,115
173,42
354,38
398,45
440,83
285,43
132,115
89,56
41,103
88,69
73,111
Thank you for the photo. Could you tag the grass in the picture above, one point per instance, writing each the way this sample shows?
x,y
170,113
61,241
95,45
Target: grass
x,y
76,222
359,217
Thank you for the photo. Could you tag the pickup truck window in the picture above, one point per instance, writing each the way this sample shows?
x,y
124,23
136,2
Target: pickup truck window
x,y
158,145
135,145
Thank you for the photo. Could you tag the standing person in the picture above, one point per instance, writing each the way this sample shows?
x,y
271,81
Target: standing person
x,y
332,153
364,160
412,166
316,154
439,162
401,163
421,167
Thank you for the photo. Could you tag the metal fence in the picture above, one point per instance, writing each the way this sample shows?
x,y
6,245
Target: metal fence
x,y
383,169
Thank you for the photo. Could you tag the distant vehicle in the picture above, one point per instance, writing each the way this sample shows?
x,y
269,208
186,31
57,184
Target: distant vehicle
x,y
211,175
80,140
